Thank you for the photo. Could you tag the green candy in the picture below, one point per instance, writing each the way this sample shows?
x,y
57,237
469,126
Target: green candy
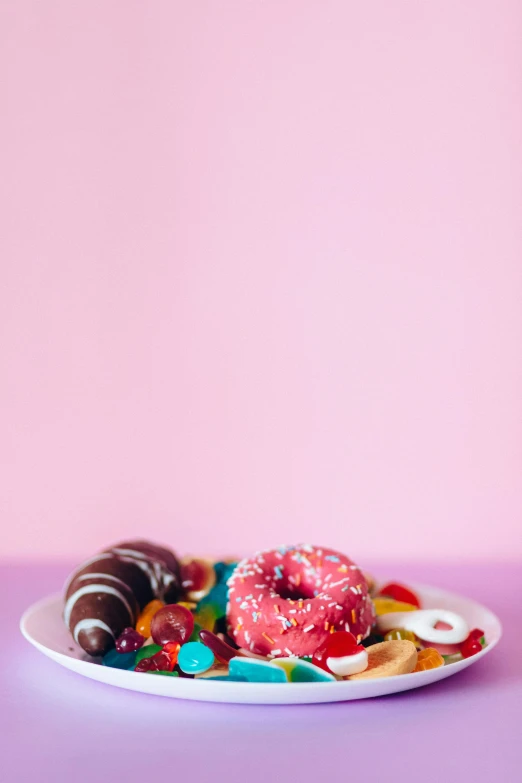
x,y
147,652
195,633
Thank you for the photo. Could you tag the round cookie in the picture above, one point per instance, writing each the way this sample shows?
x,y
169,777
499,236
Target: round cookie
x,y
388,659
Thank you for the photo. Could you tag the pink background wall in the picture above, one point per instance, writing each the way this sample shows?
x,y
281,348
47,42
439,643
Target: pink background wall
x,y
261,275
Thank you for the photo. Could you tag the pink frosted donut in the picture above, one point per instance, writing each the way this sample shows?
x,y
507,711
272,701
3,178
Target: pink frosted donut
x,y
286,601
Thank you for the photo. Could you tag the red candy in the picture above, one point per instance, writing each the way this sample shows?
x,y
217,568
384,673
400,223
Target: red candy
x,y
172,623
129,641
337,645
163,661
399,593
223,651
472,645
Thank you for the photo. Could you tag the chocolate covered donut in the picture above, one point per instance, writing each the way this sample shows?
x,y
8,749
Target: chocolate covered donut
x,y
105,593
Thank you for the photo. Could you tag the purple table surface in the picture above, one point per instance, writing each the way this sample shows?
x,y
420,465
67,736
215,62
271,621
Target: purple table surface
x,y
57,726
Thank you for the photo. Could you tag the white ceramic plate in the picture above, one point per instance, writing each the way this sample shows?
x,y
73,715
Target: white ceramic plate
x,y
42,625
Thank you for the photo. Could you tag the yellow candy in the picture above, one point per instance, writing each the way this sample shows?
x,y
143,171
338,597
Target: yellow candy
x,y
400,633
190,605
428,659
145,618
387,605
206,617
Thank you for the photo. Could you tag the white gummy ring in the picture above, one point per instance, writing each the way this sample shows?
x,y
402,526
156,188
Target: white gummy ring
x,y
422,623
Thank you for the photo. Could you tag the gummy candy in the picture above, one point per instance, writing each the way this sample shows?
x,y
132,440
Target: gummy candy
x,y
223,651
164,660
473,644
145,618
341,654
206,616
129,641
428,659
400,593
194,636
402,633
197,578
172,623
195,657
147,651
117,660
254,670
218,596
299,670
424,622
387,605
452,658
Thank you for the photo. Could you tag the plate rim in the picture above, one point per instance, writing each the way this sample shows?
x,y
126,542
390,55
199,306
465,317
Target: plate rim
x,y
120,676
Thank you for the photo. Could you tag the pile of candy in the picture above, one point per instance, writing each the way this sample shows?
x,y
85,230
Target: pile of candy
x,y
190,639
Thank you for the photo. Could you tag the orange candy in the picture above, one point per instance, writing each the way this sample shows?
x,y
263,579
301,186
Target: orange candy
x,y
145,618
428,659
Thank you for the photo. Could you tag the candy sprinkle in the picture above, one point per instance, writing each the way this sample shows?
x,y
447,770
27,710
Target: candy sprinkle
x,y
268,638
353,616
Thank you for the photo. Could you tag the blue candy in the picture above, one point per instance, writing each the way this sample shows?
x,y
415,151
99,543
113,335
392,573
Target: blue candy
x,y
195,657
254,670
117,660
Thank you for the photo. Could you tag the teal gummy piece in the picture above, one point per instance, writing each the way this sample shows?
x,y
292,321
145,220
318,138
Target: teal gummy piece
x,y
117,660
253,670
195,658
165,674
219,593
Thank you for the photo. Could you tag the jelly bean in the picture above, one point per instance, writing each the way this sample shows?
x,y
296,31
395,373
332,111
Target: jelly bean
x,y
172,623
470,646
206,616
387,605
400,593
145,618
423,621
117,660
299,670
223,651
195,657
129,641
254,670
147,651
197,578
428,659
